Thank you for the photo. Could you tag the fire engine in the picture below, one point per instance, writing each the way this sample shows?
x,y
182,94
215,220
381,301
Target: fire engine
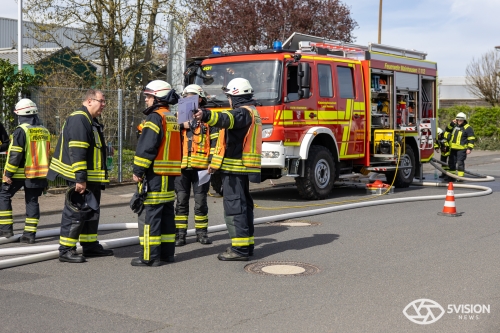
x,y
330,108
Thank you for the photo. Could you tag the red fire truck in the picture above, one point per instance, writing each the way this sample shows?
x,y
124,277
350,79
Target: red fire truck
x,y
329,108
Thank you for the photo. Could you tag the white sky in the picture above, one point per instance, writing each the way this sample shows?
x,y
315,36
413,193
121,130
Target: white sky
x,y
452,32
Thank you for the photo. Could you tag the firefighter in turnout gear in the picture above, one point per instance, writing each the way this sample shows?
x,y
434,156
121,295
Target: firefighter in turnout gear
x,y
195,138
80,158
158,160
27,166
237,156
441,144
460,136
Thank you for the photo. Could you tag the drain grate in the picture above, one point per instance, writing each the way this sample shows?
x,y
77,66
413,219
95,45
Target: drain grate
x,y
281,268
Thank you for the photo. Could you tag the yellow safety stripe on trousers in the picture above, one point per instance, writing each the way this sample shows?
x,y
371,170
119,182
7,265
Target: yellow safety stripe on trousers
x,y
6,221
65,241
179,219
181,225
32,220
61,168
201,217
142,162
145,241
6,213
141,240
214,118
78,144
168,238
88,238
16,149
151,125
251,240
201,225
30,228
236,165
243,241
156,198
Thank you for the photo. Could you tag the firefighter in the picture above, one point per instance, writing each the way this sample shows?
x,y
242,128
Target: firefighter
x,y
27,165
158,160
195,138
460,136
237,157
80,158
441,144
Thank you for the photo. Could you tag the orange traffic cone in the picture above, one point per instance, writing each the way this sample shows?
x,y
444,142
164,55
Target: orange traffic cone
x,y
449,208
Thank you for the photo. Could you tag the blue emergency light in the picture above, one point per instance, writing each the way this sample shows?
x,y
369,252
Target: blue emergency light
x,y
277,45
216,50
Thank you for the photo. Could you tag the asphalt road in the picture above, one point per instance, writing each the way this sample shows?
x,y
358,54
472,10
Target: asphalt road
x,y
372,262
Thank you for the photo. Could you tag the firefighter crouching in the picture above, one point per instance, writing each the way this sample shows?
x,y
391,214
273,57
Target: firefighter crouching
x,y
196,143
237,157
441,144
460,136
158,160
80,158
27,165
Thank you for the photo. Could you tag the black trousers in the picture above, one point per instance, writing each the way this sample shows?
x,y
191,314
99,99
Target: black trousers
x,y
183,184
32,207
457,160
76,228
157,231
238,212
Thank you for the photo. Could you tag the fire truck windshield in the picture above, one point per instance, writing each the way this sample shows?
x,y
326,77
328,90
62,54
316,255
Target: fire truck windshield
x,y
264,76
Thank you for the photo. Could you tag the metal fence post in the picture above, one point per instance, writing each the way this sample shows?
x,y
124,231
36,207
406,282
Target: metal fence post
x,y
120,134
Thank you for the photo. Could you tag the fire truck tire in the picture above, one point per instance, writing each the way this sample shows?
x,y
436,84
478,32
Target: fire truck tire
x,y
319,174
405,176
216,182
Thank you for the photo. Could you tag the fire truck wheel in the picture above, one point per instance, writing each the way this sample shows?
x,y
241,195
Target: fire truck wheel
x,y
216,182
319,174
404,176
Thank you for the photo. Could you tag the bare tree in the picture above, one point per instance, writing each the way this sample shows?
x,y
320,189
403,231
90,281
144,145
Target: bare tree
x,y
483,77
237,25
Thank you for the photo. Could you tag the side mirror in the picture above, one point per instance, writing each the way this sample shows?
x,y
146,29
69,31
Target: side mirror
x,y
304,79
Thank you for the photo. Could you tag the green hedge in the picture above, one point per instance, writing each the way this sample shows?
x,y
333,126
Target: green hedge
x,y
484,120
127,163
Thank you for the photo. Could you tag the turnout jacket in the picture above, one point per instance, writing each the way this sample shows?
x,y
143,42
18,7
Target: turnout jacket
x,y
16,158
198,143
460,137
160,189
80,154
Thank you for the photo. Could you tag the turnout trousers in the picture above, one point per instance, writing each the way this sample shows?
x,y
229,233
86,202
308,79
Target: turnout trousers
x,y
238,212
74,228
157,231
183,184
456,161
32,207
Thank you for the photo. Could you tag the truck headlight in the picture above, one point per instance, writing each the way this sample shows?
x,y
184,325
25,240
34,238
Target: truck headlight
x,y
270,154
267,132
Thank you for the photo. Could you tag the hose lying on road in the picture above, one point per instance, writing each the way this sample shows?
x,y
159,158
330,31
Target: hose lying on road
x,y
113,243
481,178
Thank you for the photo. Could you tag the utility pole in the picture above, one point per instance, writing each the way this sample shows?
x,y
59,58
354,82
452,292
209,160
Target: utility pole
x,y
380,23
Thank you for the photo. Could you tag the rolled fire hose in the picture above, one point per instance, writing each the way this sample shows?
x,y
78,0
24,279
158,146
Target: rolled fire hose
x,y
113,243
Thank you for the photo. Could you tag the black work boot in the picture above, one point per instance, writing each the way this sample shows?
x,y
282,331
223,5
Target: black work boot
x,y
202,237
71,256
28,238
180,237
168,259
6,233
97,251
139,263
230,255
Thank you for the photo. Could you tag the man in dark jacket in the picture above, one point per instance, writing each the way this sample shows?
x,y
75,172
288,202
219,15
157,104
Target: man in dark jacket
x,y
27,166
80,158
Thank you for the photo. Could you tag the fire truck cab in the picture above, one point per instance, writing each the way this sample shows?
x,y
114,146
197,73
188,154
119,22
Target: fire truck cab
x,y
329,108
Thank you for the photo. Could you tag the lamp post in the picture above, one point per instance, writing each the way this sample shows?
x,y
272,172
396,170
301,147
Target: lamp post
x,y
379,22
20,35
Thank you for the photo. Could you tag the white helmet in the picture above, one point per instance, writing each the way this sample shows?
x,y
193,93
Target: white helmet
x,y
461,116
157,88
238,86
25,107
440,131
195,89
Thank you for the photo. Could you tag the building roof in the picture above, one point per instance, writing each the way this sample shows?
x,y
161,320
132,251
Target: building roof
x,y
454,87
30,56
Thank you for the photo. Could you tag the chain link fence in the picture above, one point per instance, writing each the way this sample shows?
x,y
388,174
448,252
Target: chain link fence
x,y
120,117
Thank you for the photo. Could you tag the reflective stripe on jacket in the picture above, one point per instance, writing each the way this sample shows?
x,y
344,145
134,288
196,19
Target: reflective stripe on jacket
x,y
195,147
460,137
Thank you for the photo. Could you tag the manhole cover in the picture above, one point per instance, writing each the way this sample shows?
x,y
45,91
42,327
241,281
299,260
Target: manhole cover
x,y
281,268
